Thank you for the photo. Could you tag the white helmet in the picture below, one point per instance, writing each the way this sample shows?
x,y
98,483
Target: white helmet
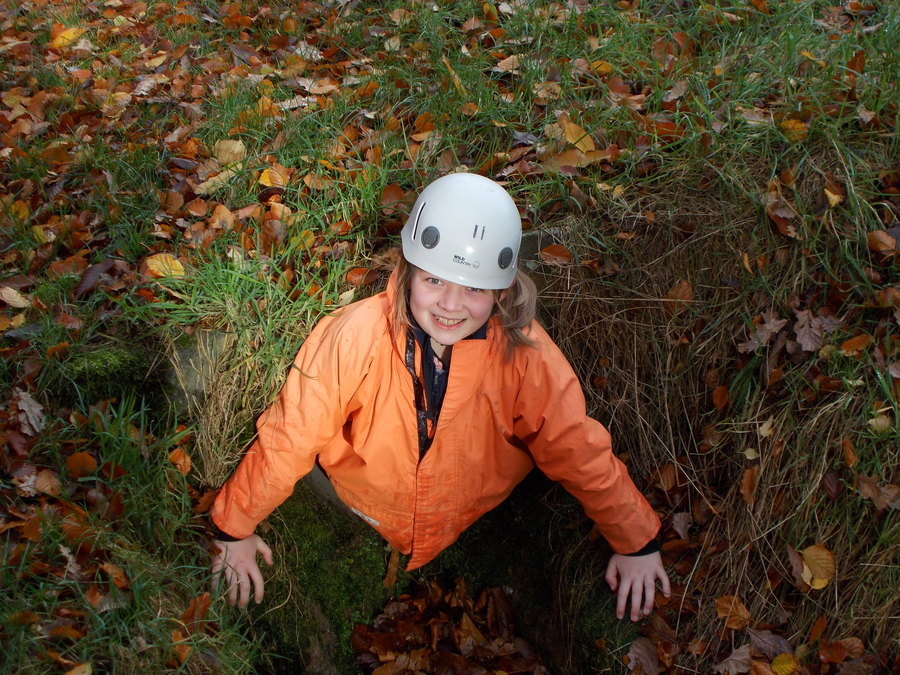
x,y
464,228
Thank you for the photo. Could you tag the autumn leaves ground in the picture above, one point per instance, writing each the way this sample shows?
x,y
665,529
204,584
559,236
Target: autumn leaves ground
x,y
718,189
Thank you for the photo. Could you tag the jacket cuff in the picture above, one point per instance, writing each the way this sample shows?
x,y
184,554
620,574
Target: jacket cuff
x,y
652,546
219,535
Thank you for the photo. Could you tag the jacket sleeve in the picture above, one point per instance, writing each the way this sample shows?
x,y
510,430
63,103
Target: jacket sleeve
x,y
308,412
550,418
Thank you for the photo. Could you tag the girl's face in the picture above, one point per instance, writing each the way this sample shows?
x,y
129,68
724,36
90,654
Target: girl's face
x,y
447,311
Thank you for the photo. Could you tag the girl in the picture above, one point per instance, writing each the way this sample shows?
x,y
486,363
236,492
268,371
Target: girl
x,y
426,404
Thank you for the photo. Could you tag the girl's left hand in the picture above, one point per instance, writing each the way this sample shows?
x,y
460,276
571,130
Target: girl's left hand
x,y
635,577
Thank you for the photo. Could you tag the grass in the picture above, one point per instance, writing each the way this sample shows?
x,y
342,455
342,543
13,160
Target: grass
x,y
687,206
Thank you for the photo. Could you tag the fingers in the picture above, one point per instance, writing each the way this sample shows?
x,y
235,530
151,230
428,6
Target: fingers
x,y
263,548
258,587
649,595
636,592
621,600
612,576
666,588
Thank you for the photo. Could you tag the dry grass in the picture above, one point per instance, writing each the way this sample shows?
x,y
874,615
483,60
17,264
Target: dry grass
x,y
648,370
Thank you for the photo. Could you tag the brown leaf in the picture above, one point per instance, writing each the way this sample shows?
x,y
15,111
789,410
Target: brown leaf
x,y
181,460
360,276
818,566
117,574
769,643
275,176
749,482
160,265
680,294
47,482
91,277
391,198
850,458
809,330
14,298
81,464
780,210
854,346
31,413
730,608
556,253
390,579
881,242
720,397
642,654
883,496
737,662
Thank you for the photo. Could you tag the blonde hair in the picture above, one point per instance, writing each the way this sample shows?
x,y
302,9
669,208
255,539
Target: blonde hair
x,y
515,306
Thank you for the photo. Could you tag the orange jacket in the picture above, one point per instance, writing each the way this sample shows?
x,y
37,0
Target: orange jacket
x,y
348,400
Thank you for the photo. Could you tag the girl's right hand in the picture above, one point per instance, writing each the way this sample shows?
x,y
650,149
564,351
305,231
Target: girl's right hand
x,y
236,561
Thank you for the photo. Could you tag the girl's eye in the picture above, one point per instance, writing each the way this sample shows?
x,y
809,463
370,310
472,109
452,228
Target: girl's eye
x,y
432,280
476,290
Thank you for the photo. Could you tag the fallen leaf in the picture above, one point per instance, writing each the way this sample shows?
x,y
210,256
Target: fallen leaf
x,y
642,654
780,210
63,37
229,151
275,176
883,496
818,566
880,424
785,664
91,277
116,574
881,242
14,298
720,397
769,643
181,460
556,253
164,265
360,276
81,464
577,136
31,413
680,295
749,482
737,662
855,346
736,615
47,482
795,130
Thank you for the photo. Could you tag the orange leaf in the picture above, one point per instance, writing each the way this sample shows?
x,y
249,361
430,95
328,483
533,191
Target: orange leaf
x,y
116,573
556,253
730,608
818,566
749,482
360,276
181,460
275,176
854,346
391,197
391,577
681,294
849,452
164,265
720,397
314,182
881,242
81,464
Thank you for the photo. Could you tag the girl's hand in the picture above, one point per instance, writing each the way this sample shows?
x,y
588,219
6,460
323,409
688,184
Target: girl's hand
x,y
236,560
636,576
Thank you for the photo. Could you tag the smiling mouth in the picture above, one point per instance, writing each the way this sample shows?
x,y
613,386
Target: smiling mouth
x,y
449,323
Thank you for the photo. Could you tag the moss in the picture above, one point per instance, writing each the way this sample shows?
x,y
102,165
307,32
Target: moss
x,y
115,370
328,577
329,572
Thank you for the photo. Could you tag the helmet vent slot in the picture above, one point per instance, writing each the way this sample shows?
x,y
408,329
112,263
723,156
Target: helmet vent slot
x,y
475,233
416,224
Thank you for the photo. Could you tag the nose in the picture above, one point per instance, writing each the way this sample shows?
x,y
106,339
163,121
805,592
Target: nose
x,y
451,298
